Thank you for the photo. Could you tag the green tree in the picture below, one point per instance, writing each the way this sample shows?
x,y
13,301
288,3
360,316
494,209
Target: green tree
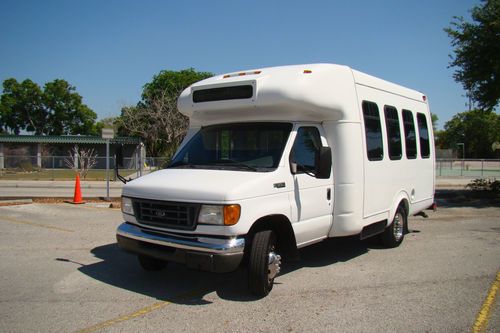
x,y
21,107
477,50
477,129
55,110
434,119
156,118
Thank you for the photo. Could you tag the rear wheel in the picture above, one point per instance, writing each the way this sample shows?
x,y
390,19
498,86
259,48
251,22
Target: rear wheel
x,y
264,263
151,264
393,235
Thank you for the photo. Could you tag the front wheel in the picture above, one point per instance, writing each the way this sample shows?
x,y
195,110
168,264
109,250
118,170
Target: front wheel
x,y
393,235
264,263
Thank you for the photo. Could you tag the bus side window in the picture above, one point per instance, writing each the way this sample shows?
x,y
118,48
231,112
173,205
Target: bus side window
x,y
393,132
410,138
423,132
373,131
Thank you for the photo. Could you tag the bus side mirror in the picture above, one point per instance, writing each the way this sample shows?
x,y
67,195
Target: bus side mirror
x,y
119,156
323,163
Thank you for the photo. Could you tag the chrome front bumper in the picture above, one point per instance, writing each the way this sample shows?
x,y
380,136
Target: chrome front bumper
x,y
205,253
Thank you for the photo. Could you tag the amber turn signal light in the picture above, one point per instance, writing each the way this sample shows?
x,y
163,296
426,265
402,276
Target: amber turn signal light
x,y
231,214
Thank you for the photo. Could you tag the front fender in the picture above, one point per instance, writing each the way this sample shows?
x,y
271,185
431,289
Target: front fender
x,y
256,208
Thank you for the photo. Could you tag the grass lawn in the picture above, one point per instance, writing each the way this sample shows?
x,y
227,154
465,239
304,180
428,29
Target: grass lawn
x,y
58,174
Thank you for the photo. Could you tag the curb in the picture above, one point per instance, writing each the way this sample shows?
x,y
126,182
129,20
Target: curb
x,y
16,201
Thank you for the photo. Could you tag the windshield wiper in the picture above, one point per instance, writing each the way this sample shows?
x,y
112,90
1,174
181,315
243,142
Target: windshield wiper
x,y
234,164
180,164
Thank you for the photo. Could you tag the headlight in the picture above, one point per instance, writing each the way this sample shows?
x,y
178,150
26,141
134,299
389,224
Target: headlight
x,y
219,215
127,207
210,214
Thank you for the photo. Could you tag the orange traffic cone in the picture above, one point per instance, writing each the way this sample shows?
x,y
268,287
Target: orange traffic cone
x,y
77,198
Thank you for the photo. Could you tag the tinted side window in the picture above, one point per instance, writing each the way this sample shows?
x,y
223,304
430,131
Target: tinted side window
x,y
305,147
423,132
373,131
393,132
410,138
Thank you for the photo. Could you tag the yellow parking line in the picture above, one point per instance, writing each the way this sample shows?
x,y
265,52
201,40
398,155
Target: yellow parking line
x,y
139,313
484,314
11,220
117,320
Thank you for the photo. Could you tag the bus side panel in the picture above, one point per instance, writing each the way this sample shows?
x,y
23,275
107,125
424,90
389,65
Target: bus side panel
x,y
385,179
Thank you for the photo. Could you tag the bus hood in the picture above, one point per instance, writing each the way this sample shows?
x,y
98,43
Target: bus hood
x,y
204,186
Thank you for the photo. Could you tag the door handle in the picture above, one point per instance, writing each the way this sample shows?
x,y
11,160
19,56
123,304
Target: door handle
x,y
328,194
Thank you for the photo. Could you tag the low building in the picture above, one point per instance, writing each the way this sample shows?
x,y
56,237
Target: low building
x,y
43,151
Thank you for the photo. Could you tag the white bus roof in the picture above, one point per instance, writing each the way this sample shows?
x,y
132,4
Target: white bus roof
x,y
310,92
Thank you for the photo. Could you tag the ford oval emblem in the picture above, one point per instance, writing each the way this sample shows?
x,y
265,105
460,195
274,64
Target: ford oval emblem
x,y
160,213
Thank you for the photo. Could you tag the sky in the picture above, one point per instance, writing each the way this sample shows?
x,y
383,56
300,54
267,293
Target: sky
x,y
108,49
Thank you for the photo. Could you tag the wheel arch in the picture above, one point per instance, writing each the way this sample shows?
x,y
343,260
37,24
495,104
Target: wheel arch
x,y
283,230
402,199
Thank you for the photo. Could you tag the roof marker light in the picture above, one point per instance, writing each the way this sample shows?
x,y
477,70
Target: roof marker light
x,y
307,71
226,76
424,98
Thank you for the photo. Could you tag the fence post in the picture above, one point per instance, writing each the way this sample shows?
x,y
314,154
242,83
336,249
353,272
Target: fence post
x,y
482,168
136,155
39,155
2,163
142,159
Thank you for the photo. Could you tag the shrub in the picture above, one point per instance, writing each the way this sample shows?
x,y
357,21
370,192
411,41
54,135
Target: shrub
x,y
28,167
485,185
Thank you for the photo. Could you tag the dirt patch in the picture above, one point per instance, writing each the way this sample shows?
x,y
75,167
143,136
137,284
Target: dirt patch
x,y
113,203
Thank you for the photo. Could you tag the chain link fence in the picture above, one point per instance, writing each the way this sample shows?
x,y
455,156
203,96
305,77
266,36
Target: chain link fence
x,y
468,168
59,168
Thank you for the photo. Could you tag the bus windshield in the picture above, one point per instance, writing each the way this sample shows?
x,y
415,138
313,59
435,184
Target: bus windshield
x,y
241,146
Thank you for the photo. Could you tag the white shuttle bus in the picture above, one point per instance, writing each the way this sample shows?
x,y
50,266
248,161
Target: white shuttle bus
x,y
279,158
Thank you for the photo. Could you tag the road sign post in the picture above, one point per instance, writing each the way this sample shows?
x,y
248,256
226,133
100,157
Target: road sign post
x,y
107,134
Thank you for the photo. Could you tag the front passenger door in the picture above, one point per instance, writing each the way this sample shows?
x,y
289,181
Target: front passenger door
x,y
312,198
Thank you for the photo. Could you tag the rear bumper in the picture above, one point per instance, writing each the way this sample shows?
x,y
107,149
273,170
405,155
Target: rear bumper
x,y
204,253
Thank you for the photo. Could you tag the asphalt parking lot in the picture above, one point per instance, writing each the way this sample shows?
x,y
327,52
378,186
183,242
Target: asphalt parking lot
x,y
62,272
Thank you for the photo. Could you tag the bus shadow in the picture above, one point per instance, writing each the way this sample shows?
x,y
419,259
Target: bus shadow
x,y
178,284
451,198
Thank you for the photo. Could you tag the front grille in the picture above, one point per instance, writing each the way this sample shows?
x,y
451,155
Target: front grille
x,y
166,214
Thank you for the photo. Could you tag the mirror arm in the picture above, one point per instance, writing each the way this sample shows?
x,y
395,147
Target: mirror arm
x,y
120,177
294,167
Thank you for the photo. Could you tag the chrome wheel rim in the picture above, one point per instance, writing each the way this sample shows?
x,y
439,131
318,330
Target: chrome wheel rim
x,y
274,265
398,226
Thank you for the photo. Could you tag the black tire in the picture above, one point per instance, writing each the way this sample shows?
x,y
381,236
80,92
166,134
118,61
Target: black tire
x,y
150,263
394,234
264,263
